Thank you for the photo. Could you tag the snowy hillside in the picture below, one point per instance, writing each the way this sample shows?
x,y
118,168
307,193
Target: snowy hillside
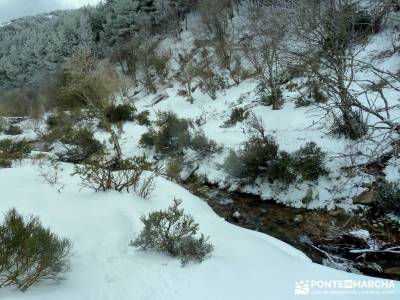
x,y
276,123
244,264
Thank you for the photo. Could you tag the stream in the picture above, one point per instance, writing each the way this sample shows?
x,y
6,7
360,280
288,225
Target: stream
x,y
361,242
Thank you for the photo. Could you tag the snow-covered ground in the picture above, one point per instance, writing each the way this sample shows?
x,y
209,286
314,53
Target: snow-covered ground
x,y
291,127
244,264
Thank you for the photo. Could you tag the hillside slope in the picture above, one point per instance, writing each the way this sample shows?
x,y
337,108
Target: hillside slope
x,y
244,265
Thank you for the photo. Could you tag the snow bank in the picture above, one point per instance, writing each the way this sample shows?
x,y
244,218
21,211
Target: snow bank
x,y
244,264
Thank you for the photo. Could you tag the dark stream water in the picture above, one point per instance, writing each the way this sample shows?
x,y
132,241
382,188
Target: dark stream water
x,y
331,238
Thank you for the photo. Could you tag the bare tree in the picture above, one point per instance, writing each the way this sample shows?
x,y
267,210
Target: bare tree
x,y
219,32
326,34
265,47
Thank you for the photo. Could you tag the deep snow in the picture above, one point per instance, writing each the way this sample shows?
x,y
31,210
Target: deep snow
x,y
244,264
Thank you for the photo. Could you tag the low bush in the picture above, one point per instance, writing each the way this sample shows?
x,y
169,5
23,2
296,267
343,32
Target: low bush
x,y
80,145
237,115
254,159
260,157
316,94
203,145
5,163
148,139
282,169
171,137
104,175
30,253
120,113
303,102
143,118
233,165
13,149
21,103
60,120
174,233
173,170
13,130
388,200
308,162
308,198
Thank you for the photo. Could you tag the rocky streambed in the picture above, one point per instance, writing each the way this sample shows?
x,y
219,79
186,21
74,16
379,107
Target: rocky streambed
x,y
361,242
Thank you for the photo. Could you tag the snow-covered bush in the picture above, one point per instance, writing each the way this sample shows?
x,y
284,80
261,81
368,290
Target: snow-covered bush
x,y
203,145
174,233
57,120
30,253
173,169
119,113
237,115
102,175
260,157
171,136
13,130
308,162
282,169
254,159
80,145
13,149
143,117
388,200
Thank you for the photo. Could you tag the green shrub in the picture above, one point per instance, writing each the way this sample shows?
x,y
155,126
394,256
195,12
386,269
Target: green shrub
x,y
254,159
60,120
233,165
173,170
309,162
388,200
308,198
303,102
5,163
282,169
143,118
173,233
316,93
203,145
172,135
237,115
119,113
80,145
60,126
12,149
148,139
13,130
30,253
260,157
52,121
